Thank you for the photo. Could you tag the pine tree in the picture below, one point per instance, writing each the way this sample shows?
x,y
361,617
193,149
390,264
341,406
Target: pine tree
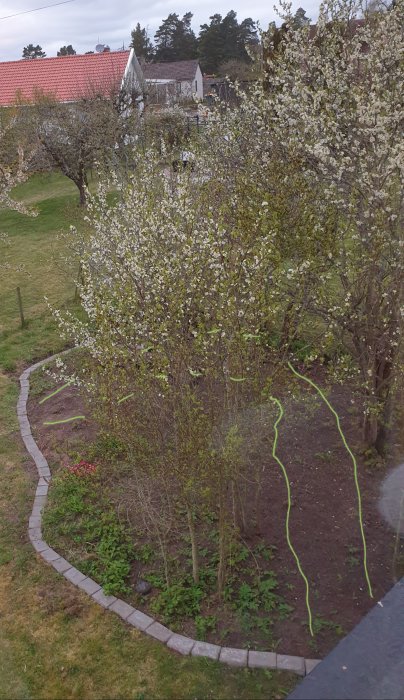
x,y
141,43
175,40
210,44
224,39
31,51
185,41
66,51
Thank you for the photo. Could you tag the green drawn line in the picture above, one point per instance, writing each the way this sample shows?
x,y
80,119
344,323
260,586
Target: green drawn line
x,y
54,393
355,469
285,474
125,398
66,420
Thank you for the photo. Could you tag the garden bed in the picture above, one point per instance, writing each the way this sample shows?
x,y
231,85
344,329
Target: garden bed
x,y
91,519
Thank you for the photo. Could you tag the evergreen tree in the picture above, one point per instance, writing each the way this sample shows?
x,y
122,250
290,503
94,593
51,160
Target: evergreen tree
x,y
300,19
185,41
175,40
31,51
141,43
210,44
66,51
224,39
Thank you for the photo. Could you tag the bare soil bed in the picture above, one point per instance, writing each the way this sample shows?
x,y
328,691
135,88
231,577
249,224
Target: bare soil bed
x,y
324,520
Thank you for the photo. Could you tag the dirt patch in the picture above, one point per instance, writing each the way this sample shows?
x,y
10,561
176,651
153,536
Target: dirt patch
x,y
324,518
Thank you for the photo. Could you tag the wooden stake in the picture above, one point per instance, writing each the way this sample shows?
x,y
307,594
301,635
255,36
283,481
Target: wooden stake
x,y
20,308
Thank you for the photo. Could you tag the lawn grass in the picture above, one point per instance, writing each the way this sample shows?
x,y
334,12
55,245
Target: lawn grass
x,y
34,255
54,642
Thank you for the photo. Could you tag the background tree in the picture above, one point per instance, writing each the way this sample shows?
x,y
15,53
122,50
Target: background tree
x,y
66,51
224,39
31,51
185,40
141,43
300,18
175,40
210,45
77,136
239,70
15,158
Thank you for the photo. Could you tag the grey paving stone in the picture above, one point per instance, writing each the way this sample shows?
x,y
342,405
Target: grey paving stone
x,y
35,521
24,381
74,575
30,445
40,545
50,555
35,533
211,651
25,431
61,565
291,663
89,586
43,481
159,632
233,657
44,471
311,664
22,410
42,490
261,659
122,609
25,374
39,459
37,512
140,620
181,644
35,452
102,599
40,501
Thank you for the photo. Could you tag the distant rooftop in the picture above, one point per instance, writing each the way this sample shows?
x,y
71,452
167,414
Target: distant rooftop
x,y
175,70
66,78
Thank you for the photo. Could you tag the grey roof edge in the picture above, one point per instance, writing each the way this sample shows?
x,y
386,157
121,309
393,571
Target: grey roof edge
x,y
368,662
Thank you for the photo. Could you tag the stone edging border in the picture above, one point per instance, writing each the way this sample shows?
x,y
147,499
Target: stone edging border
x,y
136,618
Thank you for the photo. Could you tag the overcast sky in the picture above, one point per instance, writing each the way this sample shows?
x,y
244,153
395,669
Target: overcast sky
x,y
84,23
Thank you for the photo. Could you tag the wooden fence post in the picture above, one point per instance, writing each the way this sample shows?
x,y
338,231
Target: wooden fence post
x,y
20,308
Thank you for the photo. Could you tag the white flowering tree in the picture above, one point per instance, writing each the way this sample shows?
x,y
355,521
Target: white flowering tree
x,y
196,287
174,297
14,161
322,141
13,166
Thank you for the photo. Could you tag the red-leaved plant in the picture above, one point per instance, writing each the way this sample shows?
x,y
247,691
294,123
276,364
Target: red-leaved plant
x,y
82,468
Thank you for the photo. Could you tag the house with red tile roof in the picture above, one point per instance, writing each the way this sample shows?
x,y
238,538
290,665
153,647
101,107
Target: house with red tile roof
x,y
70,78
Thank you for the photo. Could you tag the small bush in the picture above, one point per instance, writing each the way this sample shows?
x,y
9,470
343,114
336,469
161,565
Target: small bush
x,y
178,601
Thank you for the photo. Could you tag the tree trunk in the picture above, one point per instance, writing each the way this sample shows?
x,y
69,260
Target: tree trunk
x,y
377,421
194,546
83,192
222,565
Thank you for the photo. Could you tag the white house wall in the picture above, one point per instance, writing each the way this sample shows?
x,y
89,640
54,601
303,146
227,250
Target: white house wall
x,y
134,77
190,88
